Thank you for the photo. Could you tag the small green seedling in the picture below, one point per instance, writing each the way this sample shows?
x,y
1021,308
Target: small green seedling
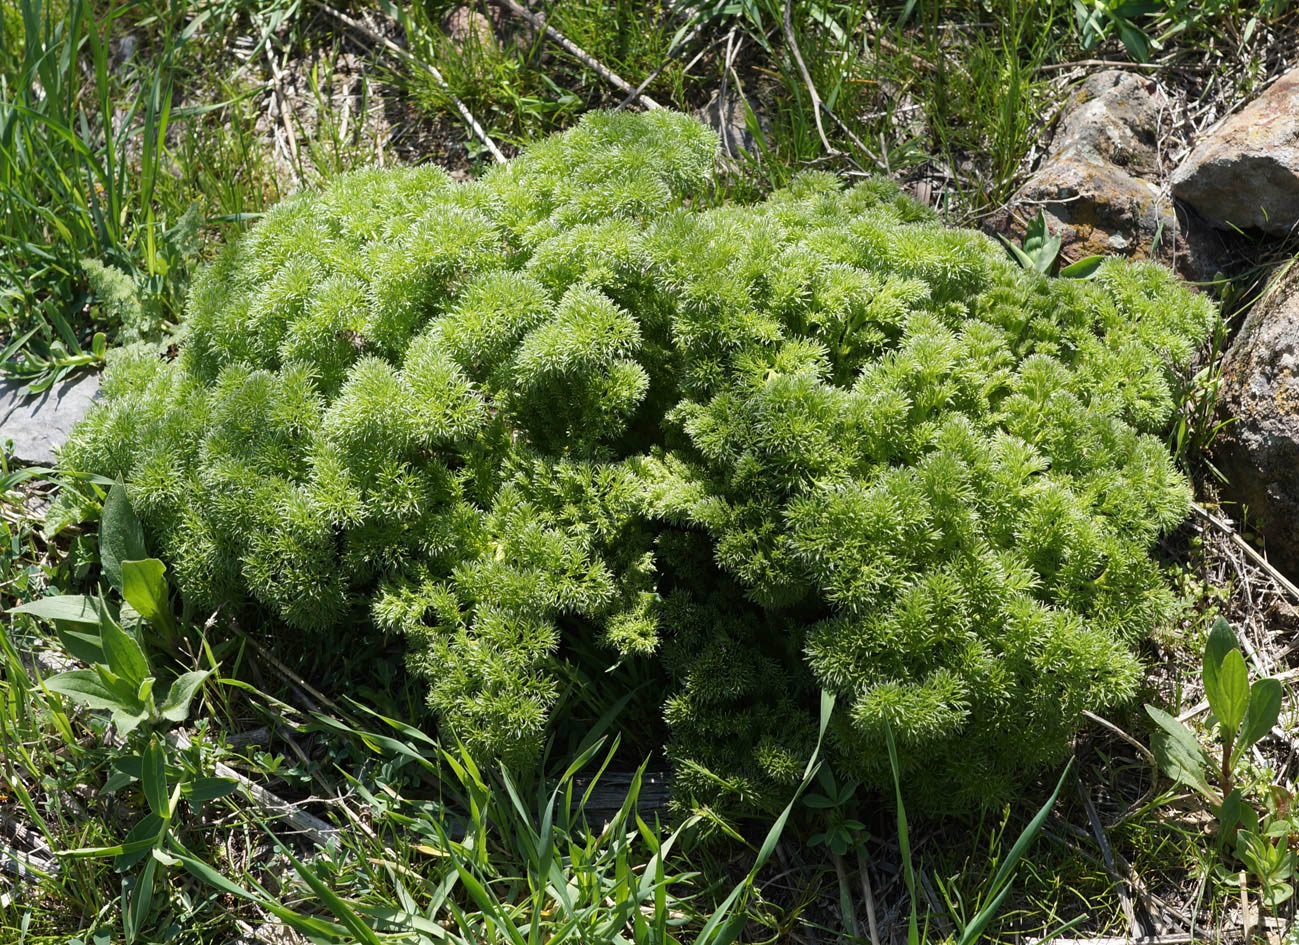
x,y
841,833
43,364
1096,19
1269,859
121,681
971,930
1241,713
119,678
1041,253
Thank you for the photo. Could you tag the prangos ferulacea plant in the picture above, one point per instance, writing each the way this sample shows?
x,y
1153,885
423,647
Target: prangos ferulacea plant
x,y
820,441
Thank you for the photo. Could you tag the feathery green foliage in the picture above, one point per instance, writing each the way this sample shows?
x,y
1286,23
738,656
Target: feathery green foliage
x,y
821,442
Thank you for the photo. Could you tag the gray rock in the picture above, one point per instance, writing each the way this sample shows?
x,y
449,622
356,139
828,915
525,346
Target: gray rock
x,y
1245,172
39,425
1259,451
727,116
1112,119
468,27
1098,184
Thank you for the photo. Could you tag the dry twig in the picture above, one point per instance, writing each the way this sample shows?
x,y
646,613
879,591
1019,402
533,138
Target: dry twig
x,y
1103,64
577,52
1145,752
281,102
359,27
807,78
1253,554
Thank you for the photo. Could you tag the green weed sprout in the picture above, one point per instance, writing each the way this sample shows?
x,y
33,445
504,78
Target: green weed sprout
x,y
1041,253
121,681
1241,714
971,930
572,410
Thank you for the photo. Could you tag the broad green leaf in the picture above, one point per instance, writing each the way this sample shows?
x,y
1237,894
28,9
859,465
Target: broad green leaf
x,y
123,654
205,873
1276,893
1229,696
1264,709
1040,245
153,776
86,647
115,781
1048,254
1134,40
84,686
125,848
1035,233
1222,640
145,588
1025,261
1084,268
1135,8
166,859
139,901
127,722
1229,818
175,707
147,833
209,789
120,536
123,690
1178,753
71,608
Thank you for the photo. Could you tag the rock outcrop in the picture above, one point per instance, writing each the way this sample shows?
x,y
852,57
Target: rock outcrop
x,y
38,425
1259,450
1098,184
1245,172
727,113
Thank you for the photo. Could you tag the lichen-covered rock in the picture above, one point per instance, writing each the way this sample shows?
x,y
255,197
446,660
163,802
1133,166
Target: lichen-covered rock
x,y
1112,119
465,25
1098,185
1245,173
1259,450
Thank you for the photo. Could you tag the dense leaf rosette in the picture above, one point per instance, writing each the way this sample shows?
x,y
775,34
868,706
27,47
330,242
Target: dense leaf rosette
x,y
821,441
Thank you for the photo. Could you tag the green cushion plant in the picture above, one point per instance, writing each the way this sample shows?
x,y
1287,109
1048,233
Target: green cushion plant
x,y
817,442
